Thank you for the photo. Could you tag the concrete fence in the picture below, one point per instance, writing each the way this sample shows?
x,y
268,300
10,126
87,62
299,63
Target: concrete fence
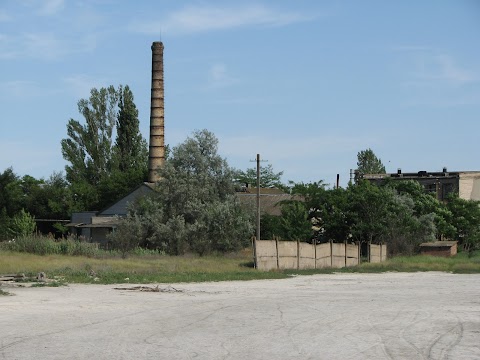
x,y
274,254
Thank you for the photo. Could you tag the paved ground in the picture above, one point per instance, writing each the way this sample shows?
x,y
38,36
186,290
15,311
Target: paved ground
x,y
342,316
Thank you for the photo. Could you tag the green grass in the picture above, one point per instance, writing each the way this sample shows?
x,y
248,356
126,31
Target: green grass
x,y
458,264
169,269
135,269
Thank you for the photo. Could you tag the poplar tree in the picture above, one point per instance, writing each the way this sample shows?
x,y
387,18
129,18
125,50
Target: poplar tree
x,y
131,147
88,147
100,171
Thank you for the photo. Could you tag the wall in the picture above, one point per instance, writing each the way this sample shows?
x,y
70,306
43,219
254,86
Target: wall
x,y
274,254
469,186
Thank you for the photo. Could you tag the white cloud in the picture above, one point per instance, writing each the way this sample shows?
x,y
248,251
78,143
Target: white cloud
x,y
51,7
43,46
453,73
195,19
218,76
429,67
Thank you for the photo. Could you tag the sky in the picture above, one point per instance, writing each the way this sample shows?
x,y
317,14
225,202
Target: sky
x,y
306,84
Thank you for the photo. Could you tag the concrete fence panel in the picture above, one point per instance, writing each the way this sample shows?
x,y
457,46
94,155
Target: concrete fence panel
x,y
306,256
266,255
287,255
383,252
323,258
375,253
338,255
274,254
351,257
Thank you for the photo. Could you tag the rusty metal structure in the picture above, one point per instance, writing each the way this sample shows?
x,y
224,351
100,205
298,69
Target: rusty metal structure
x,y
156,156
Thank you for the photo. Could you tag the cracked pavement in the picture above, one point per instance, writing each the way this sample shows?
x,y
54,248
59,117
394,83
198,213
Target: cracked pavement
x,y
340,316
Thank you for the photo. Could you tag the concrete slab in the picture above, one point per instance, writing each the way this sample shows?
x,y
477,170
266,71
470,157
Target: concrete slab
x,y
341,316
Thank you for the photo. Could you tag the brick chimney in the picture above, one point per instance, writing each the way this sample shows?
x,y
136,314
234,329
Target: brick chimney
x,y
156,156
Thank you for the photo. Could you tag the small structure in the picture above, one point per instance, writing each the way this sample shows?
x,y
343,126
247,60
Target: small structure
x,y
439,248
95,226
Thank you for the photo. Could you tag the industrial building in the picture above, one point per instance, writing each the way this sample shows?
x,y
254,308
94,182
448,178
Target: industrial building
x,y
465,183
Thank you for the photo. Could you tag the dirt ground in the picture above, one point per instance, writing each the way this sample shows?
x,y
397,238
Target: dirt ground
x,y
341,316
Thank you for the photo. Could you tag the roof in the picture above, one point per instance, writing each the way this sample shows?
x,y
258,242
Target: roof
x,y
106,225
121,205
439,244
269,203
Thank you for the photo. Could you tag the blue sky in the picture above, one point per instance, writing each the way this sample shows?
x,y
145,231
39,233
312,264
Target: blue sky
x,y
305,83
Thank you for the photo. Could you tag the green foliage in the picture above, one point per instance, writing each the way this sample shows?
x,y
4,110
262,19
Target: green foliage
x,y
11,194
130,147
126,238
368,163
270,226
88,147
369,208
425,204
268,178
194,208
466,221
101,171
43,245
22,224
367,213
294,223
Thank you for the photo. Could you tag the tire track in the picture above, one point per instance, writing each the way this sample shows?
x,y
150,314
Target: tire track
x,y
450,344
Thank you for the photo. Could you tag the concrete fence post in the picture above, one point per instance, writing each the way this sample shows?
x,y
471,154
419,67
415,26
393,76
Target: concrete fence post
x,y
276,247
359,252
298,254
254,245
331,253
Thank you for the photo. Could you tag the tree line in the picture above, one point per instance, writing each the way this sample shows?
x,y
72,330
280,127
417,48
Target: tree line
x,y
195,208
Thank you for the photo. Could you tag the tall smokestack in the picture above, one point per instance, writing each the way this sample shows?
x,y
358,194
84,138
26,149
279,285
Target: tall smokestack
x,y
156,156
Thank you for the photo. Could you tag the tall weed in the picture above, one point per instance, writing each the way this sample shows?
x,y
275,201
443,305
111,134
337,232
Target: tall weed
x,y
44,245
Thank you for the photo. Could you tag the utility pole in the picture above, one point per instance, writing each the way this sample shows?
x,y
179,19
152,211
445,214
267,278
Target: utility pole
x,y
258,196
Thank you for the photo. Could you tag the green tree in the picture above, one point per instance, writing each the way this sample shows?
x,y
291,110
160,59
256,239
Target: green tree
x,y
295,223
88,147
405,230
369,209
268,177
22,224
368,163
195,208
131,147
126,236
11,200
101,171
466,221
11,193
425,204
